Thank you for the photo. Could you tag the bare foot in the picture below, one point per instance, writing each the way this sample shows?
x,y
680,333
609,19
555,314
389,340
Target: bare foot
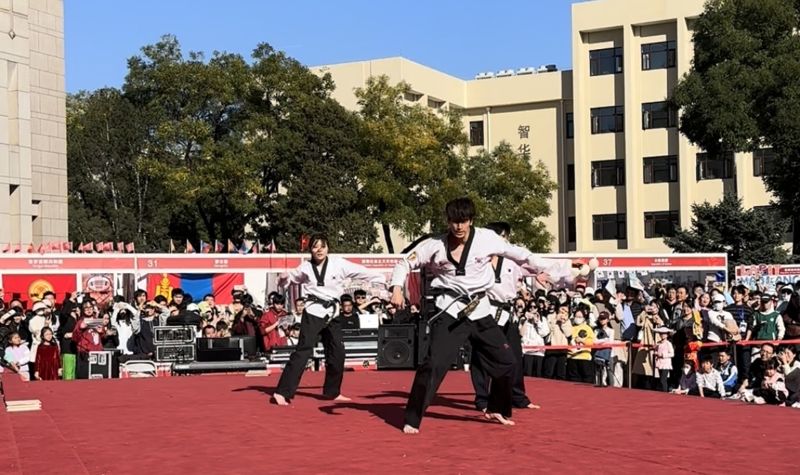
x,y
533,406
407,429
494,416
280,400
342,397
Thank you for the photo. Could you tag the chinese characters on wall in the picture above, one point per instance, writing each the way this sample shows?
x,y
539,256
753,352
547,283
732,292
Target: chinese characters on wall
x,y
524,148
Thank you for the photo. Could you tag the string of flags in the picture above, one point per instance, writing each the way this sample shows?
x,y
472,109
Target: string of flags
x,y
64,247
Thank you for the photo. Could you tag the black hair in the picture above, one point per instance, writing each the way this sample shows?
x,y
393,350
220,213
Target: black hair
x,y
222,325
739,289
319,237
207,296
118,299
346,298
299,299
160,299
360,293
769,345
460,210
682,286
207,327
177,291
49,292
771,364
138,293
278,299
500,227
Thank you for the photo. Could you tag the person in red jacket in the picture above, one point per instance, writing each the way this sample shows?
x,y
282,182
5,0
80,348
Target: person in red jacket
x,y
88,336
270,321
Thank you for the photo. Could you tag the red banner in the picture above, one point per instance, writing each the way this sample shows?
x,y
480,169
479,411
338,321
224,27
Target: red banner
x,y
30,288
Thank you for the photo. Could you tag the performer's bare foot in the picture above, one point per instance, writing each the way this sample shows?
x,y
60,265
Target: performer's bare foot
x,y
533,406
407,429
342,397
495,416
280,400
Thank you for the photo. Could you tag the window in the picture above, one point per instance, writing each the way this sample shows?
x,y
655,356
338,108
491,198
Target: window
x,y
661,169
608,226
661,224
657,115
608,119
658,55
476,133
572,234
412,96
715,167
570,125
605,61
570,177
608,173
764,162
435,103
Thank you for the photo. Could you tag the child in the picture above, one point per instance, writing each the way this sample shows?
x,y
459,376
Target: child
x,y
773,388
664,352
709,381
18,356
48,357
688,379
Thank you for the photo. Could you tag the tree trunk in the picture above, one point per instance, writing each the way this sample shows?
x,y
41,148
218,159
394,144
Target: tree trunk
x,y
387,235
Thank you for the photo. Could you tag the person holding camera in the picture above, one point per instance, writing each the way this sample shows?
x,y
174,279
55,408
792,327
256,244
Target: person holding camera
x,y
324,277
534,330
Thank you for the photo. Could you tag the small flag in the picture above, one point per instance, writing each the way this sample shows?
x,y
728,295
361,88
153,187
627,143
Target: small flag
x,y
80,247
189,248
42,248
205,247
7,248
17,248
218,247
88,247
98,247
130,248
120,246
246,247
108,247
66,246
305,240
231,247
31,248
256,247
171,246
271,248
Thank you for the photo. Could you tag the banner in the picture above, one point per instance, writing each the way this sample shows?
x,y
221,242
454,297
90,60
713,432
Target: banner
x,y
197,285
31,287
100,287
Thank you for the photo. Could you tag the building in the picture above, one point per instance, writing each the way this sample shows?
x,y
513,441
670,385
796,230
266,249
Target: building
x,y
33,136
626,175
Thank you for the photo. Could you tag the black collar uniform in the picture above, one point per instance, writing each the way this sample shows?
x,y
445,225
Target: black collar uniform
x,y
324,284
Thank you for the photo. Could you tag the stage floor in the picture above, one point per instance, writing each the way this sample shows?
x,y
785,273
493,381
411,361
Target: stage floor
x,y
225,424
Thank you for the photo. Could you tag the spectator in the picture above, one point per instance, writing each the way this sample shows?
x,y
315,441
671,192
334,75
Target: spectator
x,y
269,322
88,336
122,322
209,331
48,358
758,369
719,320
222,330
603,334
35,324
664,353
579,360
141,343
69,318
688,381
360,300
784,297
743,316
178,299
348,316
791,317
727,371
709,381
534,330
772,389
555,361
17,355
245,321
643,367
790,368
294,335
139,299
297,311
767,323
209,300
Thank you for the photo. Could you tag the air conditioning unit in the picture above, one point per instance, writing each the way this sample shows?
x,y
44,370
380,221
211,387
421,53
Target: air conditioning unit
x,y
548,68
484,75
505,73
528,70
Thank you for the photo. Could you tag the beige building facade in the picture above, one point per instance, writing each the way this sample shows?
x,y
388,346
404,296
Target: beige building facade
x,y
33,147
604,131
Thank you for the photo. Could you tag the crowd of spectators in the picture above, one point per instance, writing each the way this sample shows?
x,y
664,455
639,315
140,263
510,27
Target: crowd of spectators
x,y
672,338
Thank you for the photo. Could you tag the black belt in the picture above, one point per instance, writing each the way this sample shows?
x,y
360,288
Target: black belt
x,y
463,298
324,302
507,306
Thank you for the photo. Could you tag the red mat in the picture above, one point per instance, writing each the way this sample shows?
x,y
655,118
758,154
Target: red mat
x,y
225,424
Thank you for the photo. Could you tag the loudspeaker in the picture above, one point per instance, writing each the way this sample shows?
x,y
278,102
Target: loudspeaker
x,y
218,354
396,346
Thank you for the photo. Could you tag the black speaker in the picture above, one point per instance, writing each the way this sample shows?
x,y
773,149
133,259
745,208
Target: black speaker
x,y
218,354
396,346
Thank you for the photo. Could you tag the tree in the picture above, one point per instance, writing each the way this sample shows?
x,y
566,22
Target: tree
x,y
111,195
505,187
742,92
410,158
753,236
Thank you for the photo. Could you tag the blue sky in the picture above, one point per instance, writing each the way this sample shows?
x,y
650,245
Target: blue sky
x,y
461,38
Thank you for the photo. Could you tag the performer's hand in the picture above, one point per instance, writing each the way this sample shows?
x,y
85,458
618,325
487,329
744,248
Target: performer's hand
x,y
398,299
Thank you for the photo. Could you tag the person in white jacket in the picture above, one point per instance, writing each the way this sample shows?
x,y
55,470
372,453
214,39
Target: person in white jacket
x,y
718,319
35,325
534,330
122,320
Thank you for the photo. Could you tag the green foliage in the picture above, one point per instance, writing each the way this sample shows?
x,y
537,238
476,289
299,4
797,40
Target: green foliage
x,y
753,236
505,187
742,92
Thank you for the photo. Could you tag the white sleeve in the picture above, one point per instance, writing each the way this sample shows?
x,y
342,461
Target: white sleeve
x,y
296,276
414,260
559,269
359,272
781,327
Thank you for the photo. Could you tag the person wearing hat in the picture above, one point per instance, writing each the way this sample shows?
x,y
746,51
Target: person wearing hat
x,y
720,321
664,352
784,297
41,311
767,322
